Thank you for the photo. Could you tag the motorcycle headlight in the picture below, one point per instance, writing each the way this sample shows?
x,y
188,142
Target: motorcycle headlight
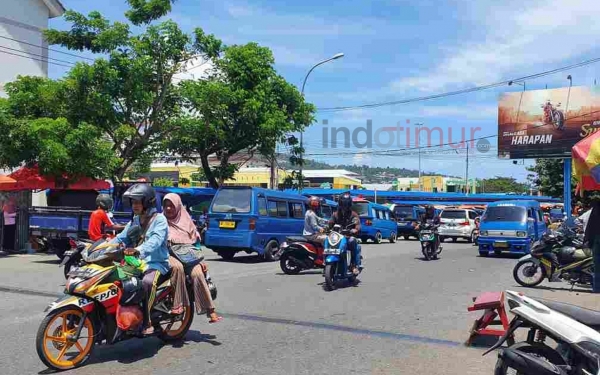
x,y
521,234
334,238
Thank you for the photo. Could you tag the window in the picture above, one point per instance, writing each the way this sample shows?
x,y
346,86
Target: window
x,y
472,215
453,214
282,209
362,209
380,215
404,212
387,215
505,213
272,208
326,212
232,201
540,216
262,206
296,210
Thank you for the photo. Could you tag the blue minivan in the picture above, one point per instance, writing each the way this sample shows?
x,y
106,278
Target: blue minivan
x,y
253,220
377,221
510,226
407,216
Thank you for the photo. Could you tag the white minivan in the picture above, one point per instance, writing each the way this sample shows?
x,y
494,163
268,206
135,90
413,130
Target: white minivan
x,y
457,223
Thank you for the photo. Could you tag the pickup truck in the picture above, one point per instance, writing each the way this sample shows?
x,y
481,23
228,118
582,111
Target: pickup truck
x,y
57,224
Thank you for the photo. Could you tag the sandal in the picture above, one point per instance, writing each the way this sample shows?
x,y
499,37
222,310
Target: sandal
x,y
214,318
148,331
177,311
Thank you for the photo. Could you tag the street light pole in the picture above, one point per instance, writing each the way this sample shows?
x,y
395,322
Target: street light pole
x,y
334,57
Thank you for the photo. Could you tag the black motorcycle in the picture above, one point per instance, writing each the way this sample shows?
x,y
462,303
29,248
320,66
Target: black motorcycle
x,y
430,240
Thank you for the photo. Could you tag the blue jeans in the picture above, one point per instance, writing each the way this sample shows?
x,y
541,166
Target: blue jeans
x,y
355,250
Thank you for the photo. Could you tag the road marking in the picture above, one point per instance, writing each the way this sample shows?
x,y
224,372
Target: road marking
x,y
333,327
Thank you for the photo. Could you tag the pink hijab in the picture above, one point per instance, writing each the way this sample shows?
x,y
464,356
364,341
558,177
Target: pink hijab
x,y
182,229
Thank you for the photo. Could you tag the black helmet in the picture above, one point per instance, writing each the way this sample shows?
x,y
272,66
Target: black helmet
x,y
104,201
143,192
345,201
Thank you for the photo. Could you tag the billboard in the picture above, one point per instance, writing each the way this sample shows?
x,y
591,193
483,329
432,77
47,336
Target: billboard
x,y
546,123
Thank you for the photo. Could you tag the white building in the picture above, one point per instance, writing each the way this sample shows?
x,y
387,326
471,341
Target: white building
x,y
23,50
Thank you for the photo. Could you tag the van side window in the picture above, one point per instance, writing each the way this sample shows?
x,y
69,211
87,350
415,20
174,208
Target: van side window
x,y
296,210
387,215
472,215
381,215
272,208
282,209
540,216
262,206
326,212
374,213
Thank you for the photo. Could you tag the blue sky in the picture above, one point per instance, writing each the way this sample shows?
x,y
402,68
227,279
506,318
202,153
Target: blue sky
x,y
398,49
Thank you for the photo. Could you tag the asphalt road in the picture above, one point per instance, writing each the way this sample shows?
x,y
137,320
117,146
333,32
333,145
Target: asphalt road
x,y
407,316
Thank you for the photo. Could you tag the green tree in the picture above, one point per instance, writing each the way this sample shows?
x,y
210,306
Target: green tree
x,y
243,104
128,99
503,185
547,175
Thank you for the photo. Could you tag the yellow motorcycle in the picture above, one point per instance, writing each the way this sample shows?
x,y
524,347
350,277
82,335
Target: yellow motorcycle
x,y
103,304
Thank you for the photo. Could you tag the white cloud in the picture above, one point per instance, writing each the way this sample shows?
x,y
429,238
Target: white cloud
x,y
513,40
465,112
240,11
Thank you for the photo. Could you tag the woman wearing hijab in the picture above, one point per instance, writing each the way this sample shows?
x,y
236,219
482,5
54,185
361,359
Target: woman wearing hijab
x,y
183,233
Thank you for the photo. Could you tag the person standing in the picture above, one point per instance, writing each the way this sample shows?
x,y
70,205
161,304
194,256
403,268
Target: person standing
x,y
592,239
10,215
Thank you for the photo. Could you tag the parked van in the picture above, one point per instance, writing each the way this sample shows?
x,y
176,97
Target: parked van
x,y
377,221
251,219
407,217
510,226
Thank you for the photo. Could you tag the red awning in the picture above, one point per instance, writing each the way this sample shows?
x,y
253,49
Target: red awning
x,y
29,178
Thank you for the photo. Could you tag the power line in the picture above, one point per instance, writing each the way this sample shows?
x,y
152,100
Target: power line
x,y
459,92
47,48
34,58
35,54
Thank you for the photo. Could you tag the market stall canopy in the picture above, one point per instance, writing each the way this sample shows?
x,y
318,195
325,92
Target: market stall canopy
x,y
7,183
586,163
29,178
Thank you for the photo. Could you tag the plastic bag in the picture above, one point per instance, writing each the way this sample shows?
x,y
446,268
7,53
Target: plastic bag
x,y
129,317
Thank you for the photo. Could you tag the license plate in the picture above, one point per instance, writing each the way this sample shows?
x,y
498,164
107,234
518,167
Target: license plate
x,y
500,244
451,224
227,224
331,251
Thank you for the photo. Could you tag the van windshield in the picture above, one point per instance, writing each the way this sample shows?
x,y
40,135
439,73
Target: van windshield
x,y
362,208
232,201
505,213
403,212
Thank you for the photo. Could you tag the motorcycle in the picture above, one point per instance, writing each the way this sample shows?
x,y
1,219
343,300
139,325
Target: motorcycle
x,y
574,329
104,297
553,116
298,253
73,257
337,257
476,231
575,264
430,242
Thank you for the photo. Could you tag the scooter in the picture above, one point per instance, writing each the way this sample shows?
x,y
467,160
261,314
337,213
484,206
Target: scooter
x,y
338,258
298,253
573,328
430,242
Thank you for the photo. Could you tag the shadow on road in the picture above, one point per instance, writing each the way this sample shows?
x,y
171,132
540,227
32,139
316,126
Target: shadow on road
x,y
502,256
47,261
247,259
308,272
422,259
579,289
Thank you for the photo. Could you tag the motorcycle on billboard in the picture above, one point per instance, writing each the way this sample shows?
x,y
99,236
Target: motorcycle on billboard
x,y
553,115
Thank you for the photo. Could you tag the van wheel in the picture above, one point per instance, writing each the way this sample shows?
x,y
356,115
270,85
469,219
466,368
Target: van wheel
x,y
378,238
454,239
472,238
271,251
392,237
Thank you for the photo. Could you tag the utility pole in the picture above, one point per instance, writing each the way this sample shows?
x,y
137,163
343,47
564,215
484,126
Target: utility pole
x,y
467,172
418,140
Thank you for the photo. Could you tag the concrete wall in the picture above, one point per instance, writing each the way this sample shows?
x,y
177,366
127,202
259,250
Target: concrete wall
x,y
23,21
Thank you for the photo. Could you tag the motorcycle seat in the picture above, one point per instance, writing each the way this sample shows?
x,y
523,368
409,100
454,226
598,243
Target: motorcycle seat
x,y
585,316
302,239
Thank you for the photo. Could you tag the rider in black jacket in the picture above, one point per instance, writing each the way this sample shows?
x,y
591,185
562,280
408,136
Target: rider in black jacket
x,y
344,216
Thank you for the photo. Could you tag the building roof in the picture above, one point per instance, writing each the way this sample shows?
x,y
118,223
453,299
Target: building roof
x,y
315,173
55,8
378,187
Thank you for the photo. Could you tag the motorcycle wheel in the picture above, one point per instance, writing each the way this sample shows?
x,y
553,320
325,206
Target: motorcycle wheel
x,y
434,253
287,267
540,350
329,279
528,267
55,338
67,268
427,252
170,334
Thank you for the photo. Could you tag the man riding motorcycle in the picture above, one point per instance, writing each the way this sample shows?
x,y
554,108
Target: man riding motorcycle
x,y
430,215
152,246
345,216
312,222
